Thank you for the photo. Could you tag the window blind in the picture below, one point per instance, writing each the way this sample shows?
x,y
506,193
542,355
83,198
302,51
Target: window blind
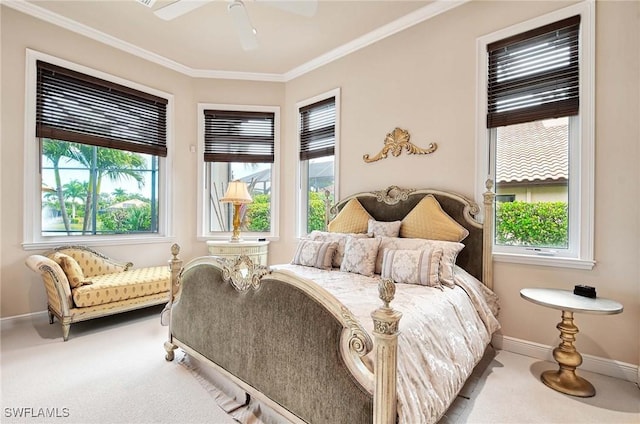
x,y
75,107
534,75
237,136
318,129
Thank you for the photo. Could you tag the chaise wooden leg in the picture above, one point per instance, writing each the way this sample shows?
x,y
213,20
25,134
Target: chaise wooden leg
x,y
65,331
51,317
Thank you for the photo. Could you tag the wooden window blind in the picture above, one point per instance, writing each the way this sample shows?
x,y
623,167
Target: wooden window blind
x,y
534,75
318,129
80,108
238,136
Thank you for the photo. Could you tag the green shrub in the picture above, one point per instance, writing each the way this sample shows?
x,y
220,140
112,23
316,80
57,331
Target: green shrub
x,y
542,224
258,215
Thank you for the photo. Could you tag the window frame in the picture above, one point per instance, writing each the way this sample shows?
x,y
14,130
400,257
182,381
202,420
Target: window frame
x,y
203,234
581,145
32,202
301,200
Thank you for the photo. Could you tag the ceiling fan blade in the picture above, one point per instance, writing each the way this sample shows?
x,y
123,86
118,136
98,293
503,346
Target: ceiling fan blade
x,y
179,8
299,7
246,32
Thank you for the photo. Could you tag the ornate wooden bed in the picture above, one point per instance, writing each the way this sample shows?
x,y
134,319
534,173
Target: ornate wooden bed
x,y
292,344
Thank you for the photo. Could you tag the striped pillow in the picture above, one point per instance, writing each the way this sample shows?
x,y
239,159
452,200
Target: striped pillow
x,y
412,266
317,254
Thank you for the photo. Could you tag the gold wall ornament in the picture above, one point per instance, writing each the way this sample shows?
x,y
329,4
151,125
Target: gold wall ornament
x,y
395,141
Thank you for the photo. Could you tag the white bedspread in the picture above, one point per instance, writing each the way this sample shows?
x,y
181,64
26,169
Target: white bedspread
x,y
443,333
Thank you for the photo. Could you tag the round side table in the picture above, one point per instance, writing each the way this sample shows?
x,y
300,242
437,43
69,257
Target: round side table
x,y
565,379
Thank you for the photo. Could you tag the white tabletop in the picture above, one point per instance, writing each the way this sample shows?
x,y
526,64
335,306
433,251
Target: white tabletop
x,y
565,300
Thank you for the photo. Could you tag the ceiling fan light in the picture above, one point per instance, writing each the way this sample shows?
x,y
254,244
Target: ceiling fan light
x,y
246,31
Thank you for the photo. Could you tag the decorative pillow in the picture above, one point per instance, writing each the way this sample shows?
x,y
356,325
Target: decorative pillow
x,y
71,269
352,218
427,220
360,255
382,228
413,266
450,252
318,254
339,238
395,243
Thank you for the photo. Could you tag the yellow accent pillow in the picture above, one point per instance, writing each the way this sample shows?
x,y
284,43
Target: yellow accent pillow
x,y
353,218
72,269
427,220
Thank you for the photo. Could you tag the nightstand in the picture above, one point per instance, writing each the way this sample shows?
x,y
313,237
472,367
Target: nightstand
x,y
258,251
565,379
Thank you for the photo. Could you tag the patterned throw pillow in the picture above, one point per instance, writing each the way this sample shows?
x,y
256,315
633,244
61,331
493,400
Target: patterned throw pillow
x,y
71,269
427,220
339,238
382,228
450,252
352,218
396,243
413,266
360,255
317,254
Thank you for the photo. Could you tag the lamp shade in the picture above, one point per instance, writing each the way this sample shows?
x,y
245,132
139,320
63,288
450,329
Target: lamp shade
x,y
237,193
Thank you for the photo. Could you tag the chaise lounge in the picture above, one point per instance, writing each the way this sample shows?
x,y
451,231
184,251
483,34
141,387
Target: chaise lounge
x,y
83,284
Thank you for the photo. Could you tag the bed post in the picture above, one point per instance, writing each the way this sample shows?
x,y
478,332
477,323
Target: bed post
x,y
487,235
385,332
175,266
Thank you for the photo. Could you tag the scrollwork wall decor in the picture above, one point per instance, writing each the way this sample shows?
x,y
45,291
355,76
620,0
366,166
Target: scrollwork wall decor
x,y
397,140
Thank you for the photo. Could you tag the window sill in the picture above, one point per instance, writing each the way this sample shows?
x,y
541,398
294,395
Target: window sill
x,y
558,262
96,241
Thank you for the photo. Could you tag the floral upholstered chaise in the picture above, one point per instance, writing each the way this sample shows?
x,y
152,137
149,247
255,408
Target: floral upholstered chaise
x,y
83,284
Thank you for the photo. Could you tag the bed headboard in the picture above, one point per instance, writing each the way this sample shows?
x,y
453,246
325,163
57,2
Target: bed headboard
x,y
394,203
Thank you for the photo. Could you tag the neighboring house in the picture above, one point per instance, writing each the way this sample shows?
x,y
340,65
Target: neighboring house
x,y
533,162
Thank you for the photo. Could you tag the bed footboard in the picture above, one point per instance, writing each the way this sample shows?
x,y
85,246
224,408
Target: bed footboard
x,y
287,339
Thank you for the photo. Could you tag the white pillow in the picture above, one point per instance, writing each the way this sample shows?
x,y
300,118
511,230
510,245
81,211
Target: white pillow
x,y
339,238
450,250
317,254
413,266
395,243
384,228
360,255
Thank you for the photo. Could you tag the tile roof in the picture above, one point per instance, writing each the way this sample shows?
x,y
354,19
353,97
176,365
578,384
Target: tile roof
x,y
533,152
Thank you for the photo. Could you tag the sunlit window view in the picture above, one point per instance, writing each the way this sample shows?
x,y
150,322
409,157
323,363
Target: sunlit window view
x,y
90,190
532,184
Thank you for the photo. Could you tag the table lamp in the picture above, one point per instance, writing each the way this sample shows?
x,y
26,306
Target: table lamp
x,y
238,194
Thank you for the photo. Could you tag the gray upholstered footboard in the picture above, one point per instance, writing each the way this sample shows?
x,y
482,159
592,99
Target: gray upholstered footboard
x,y
277,338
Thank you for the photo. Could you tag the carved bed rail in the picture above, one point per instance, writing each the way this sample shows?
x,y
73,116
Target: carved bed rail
x,y
271,332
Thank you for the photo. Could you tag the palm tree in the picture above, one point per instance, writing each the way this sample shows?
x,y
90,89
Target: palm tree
x,y
55,151
111,163
75,190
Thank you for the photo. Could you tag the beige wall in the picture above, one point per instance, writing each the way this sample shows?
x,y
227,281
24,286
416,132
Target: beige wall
x,y
423,80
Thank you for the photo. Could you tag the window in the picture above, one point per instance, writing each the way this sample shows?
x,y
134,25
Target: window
x,y
317,166
100,149
536,137
239,144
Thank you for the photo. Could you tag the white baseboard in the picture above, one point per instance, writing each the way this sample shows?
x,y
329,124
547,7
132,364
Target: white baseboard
x,y
604,366
8,322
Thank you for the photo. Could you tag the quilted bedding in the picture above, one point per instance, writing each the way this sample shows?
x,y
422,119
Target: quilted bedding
x,y
443,333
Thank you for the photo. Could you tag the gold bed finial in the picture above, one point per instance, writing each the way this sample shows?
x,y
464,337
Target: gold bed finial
x,y
395,141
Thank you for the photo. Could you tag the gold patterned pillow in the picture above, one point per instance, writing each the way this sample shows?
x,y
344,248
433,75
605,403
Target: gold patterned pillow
x,y
317,254
352,218
413,266
360,255
72,269
427,220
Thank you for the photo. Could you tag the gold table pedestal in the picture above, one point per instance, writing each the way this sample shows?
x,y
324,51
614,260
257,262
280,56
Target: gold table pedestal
x,y
565,379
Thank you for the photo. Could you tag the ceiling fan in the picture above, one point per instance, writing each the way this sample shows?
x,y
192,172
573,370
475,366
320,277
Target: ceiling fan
x,y
245,30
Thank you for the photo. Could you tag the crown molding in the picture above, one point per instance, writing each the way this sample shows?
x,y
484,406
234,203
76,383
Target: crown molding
x,y
407,21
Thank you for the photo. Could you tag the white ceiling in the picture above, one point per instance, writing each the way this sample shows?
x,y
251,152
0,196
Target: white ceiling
x,y
203,43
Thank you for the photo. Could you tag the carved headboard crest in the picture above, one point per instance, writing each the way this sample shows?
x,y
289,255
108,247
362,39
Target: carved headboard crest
x,y
393,194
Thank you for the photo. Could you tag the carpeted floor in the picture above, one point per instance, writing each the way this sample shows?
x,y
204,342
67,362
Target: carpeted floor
x,y
112,370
